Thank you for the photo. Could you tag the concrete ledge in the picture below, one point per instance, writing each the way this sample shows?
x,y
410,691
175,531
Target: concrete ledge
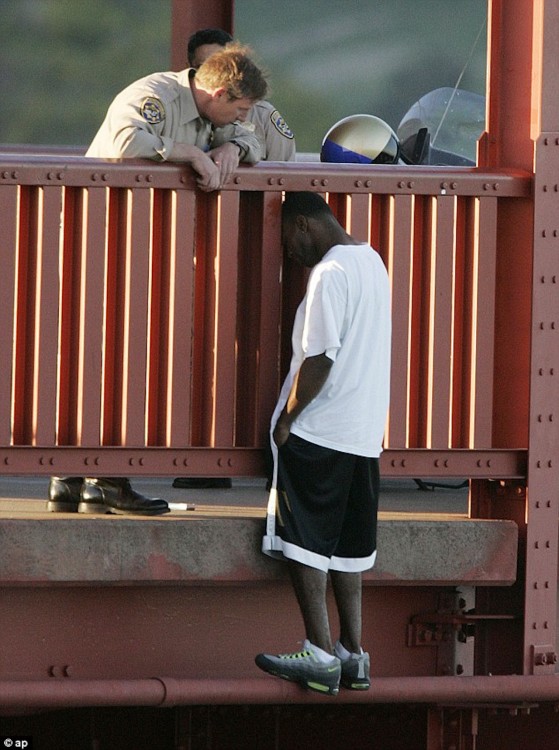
x,y
71,550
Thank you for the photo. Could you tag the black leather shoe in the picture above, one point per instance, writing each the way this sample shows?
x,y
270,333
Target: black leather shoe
x,y
115,495
201,483
64,494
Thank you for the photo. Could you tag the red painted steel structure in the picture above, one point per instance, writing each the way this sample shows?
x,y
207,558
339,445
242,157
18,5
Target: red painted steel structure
x,y
140,319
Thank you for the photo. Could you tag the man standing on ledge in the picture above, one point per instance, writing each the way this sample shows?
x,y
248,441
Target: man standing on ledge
x,y
327,433
171,117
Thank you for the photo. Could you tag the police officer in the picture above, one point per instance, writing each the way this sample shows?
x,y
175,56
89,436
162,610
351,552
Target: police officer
x,y
273,132
171,117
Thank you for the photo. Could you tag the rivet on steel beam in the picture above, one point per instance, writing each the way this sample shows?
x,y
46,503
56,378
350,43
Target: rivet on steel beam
x,y
546,141
444,185
50,176
549,464
546,625
496,186
149,178
237,180
15,175
5,175
6,461
536,545
324,182
139,177
271,180
281,181
184,178
546,584
358,183
542,279
105,177
535,584
539,466
314,181
544,188
453,185
411,183
401,184
486,186
548,544
535,627
60,175
539,417
544,233
95,177
550,417
368,183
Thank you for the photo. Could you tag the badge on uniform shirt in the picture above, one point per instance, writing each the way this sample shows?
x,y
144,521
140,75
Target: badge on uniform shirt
x,y
248,126
280,124
152,110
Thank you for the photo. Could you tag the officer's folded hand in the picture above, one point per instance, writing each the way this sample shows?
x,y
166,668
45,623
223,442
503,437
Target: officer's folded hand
x,y
209,175
226,158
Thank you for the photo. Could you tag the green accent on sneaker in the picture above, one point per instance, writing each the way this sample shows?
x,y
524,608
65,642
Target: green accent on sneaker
x,y
322,688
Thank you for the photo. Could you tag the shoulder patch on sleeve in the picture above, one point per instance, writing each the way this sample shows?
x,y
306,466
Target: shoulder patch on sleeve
x,y
280,124
153,110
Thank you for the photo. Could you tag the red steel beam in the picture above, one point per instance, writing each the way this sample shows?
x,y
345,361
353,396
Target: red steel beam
x,y
188,16
167,691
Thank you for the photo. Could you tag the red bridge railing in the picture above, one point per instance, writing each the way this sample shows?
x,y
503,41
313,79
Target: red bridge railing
x,y
144,325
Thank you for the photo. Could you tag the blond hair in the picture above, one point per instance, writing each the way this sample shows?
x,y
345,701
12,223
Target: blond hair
x,y
233,70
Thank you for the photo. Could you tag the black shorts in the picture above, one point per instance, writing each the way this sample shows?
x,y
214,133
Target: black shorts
x,y
326,507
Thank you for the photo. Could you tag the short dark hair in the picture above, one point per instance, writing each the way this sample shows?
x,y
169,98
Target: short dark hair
x,y
304,203
206,36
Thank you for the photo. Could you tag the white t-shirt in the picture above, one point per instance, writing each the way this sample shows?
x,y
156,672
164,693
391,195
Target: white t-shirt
x,y
345,313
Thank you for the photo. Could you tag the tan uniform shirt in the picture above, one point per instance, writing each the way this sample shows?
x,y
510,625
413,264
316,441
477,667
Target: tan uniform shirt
x,y
275,136
148,117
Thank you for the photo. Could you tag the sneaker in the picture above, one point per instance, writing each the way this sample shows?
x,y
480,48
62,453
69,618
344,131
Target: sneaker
x,y
355,669
304,667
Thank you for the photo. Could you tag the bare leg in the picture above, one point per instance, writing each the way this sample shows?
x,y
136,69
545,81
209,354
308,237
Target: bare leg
x,y
347,591
310,590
